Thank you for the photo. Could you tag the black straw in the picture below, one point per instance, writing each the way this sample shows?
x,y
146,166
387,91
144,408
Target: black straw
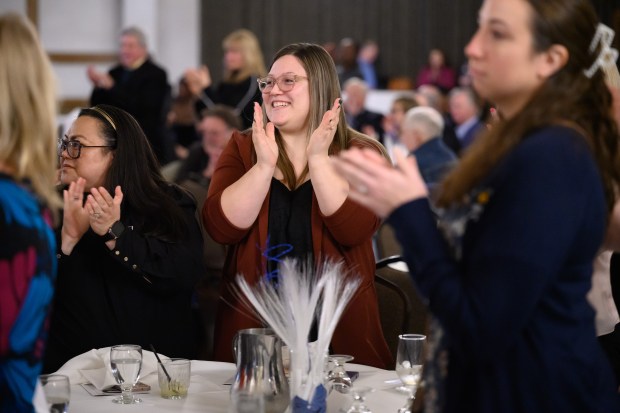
x,y
159,361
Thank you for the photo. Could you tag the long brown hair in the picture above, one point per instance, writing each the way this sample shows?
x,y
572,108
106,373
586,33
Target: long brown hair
x,y
324,89
568,97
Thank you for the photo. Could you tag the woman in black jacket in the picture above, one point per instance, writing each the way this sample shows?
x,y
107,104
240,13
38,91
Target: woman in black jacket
x,y
129,249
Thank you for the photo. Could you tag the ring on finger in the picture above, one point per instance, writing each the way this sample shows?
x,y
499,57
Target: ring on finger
x,y
362,189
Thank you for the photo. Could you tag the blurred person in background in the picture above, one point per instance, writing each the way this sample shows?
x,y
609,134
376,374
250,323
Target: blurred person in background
x,y
215,128
346,64
464,124
182,120
421,133
332,49
356,114
194,174
367,64
437,72
138,86
430,95
243,64
393,121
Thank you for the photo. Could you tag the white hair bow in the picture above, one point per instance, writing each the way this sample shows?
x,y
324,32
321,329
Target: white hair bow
x,y
607,55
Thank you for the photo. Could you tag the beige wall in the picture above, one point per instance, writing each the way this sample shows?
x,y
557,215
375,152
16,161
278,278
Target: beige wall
x,y
77,29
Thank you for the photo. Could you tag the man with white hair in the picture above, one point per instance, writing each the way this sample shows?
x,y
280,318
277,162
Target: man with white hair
x,y
138,86
358,117
421,133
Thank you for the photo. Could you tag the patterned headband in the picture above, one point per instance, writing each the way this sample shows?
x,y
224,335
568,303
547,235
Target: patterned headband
x,y
105,115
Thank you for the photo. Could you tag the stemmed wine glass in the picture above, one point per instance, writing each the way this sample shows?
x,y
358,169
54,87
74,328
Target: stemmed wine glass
x,y
358,393
338,378
126,362
409,360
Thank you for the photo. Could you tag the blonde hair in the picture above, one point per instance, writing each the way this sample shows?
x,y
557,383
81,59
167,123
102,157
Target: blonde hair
x,y
27,108
253,62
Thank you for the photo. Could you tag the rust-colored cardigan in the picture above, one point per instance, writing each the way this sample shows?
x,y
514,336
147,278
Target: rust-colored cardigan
x,y
345,235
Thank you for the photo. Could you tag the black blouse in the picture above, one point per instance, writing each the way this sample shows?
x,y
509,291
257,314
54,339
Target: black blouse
x,y
290,228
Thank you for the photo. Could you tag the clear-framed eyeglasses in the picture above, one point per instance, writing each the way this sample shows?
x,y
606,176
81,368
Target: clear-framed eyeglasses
x,y
285,82
74,148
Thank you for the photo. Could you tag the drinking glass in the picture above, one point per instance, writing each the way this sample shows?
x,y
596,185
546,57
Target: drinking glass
x,y
358,393
173,376
338,378
409,360
57,392
126,361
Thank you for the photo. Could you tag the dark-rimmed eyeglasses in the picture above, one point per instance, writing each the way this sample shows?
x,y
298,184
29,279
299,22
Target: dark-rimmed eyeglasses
x,y
74,148
285,82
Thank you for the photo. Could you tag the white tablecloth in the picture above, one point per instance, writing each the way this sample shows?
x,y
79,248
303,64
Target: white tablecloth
x,y
208,394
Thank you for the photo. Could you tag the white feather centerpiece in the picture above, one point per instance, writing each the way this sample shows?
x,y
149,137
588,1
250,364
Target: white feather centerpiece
x,y
289,309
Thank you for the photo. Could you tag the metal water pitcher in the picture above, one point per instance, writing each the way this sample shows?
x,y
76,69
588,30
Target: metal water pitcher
x,y
260,372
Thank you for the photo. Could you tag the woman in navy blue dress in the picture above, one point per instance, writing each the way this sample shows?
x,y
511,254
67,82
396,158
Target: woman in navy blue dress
x,y
520,219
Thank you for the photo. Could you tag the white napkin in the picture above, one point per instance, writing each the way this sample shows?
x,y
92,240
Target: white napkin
x,y
94,367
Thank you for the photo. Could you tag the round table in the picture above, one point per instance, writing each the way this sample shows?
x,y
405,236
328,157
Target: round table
x,y
209,393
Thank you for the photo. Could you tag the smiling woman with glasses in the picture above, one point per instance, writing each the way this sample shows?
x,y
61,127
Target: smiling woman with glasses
x,y
129,244
274,188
